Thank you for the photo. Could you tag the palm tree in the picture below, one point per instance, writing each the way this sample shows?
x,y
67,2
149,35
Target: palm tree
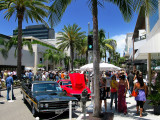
x,y
24,9
13,42
126,8
105,44
53,55
70,38
82,48
3,50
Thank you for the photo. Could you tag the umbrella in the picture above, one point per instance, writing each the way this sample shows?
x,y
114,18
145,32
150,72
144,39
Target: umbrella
x,y
102,66
28,68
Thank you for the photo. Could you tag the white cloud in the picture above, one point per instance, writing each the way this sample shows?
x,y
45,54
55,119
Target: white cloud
x,y
120,43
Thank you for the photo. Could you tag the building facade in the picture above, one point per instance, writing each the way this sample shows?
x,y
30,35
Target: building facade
x,y
37,31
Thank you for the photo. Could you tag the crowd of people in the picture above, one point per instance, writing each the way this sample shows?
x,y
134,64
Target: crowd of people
x,y
115,85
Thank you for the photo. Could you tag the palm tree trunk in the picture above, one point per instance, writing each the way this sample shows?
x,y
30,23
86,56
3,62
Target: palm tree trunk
x,y
96,57
72,56
20,18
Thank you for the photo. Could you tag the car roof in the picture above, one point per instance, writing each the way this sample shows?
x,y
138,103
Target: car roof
x,y
43,82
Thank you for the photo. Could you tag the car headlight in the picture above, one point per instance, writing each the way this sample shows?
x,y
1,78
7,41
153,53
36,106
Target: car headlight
x,y
41,105
46,105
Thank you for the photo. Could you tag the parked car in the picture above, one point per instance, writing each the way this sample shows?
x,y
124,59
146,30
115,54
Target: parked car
x,y
46,96
75,85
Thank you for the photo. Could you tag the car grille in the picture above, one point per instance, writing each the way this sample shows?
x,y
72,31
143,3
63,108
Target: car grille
x,y
58,105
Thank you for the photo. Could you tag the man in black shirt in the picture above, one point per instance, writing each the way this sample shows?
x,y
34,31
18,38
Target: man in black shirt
x,y
130,80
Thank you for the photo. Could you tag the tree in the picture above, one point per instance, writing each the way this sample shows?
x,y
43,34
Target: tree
x,y
13,42
24,9
3,50
53,55
126,10
70,38
125,6
82,48
105,44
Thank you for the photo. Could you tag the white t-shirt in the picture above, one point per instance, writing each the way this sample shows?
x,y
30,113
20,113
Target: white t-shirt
x,y
43,77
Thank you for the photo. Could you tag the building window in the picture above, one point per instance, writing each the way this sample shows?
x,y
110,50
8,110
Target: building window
x,y
153,18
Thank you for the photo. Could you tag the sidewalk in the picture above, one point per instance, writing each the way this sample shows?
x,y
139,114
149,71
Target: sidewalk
x,y
131,109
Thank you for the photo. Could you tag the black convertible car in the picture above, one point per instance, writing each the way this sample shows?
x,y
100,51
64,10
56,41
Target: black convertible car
x,y
46,96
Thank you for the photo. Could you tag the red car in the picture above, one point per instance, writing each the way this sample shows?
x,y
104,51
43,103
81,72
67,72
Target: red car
x,y
75,85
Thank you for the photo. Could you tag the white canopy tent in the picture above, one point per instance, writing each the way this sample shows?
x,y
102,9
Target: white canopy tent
x,y
157,68
102,66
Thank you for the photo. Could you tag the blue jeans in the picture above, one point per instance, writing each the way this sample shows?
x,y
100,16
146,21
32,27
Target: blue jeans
x,y
130,90
114,94
8,90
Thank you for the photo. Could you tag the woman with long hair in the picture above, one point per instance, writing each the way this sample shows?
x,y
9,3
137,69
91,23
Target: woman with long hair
x,y
140,87
122,90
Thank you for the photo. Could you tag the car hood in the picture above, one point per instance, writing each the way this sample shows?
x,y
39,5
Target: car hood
x,y
40,97
77,80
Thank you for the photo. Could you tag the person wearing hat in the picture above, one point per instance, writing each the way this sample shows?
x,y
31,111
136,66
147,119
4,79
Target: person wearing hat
x,y
9,82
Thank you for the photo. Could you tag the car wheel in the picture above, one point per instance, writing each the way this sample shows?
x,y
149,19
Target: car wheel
x,y
34,112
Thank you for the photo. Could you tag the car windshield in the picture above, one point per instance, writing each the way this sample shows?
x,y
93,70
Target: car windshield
x,y
66,82
46,87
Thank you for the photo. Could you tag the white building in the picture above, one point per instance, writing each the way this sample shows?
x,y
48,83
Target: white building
x,y
28,60
129,46
31,61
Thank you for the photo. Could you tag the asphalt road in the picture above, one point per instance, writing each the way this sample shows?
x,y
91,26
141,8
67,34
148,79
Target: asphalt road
x,y
17,110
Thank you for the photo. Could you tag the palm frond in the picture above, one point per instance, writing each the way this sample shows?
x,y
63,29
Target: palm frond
x,y
43,44
126,8
4,53
148,6
57,10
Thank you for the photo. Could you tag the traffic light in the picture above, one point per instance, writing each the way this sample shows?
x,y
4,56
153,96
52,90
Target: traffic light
x,y
90,42
40,60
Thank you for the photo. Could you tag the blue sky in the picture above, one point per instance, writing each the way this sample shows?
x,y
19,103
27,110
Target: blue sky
x,y
109,19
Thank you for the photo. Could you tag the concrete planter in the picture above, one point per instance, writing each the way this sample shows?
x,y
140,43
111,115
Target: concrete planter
x,y
157,110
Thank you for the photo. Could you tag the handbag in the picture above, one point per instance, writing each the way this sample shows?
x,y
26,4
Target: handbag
x,y
134,93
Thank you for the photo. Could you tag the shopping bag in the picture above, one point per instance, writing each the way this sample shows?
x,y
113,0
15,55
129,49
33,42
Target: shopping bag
x,y
134,93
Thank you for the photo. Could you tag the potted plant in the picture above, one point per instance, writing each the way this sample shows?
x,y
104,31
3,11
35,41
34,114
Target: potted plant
x,y
155,95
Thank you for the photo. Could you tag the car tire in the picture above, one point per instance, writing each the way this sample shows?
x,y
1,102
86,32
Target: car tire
x,y
34,112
